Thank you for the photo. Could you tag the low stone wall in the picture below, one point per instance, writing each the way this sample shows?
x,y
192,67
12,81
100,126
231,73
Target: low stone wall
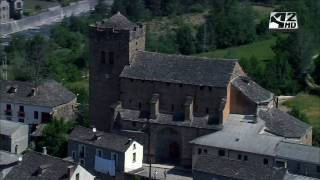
x,y
54,14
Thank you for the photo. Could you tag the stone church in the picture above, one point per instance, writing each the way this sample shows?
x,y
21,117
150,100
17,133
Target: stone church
x,y
182,97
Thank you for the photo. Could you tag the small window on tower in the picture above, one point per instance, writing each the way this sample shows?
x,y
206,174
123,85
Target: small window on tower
x,y
103,57
111,58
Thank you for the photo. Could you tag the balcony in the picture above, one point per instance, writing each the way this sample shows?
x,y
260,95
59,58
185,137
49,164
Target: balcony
x,y
21,114
8,112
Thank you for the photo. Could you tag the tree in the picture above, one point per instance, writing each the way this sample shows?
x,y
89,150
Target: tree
x,y
316,72
35,58
230,23
134,9
185,40
55,137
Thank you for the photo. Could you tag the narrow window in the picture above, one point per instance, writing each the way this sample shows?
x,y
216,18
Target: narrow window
x,y
180,85
201,87
130,101
103,57
199,151
245,158
265,161
239,156
111,58
221,152
82,162
134,124
8,106
134,146
99,152
21,108
205,151
168,84
21,120
210,88
35,114
134,157
73,155
140,105
114,156
172,107
207,110
77,176
318,169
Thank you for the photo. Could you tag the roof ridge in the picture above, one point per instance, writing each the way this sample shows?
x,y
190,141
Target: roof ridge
x,y
192,57
48,155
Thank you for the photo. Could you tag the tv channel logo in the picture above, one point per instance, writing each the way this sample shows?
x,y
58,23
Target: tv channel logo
x,y
283,21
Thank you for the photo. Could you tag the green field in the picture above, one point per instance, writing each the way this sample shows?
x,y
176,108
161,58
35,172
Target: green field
x,y
308,104
260,49
30,4
262,11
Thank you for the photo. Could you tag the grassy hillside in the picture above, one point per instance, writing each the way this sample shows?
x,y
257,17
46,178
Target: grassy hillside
x,y
260,49
308,104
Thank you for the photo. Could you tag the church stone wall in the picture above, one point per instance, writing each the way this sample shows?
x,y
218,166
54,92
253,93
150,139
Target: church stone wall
x,y
136,94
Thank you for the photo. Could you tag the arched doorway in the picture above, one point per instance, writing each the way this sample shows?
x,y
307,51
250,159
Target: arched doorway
x,y
168,146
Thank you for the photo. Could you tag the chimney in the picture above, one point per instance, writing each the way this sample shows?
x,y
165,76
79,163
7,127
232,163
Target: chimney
x,y
44,150
154,106
188,109
70,171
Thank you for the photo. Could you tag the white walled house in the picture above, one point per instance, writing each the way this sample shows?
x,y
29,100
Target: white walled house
x,y
133,157
26,103
108,154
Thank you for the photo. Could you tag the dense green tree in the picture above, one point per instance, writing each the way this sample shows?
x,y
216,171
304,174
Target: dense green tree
x,y
55,136
185,40
134,9
316,72
35,60
230,23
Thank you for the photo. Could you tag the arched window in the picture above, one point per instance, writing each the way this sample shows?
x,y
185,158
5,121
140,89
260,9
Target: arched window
x,y
19,5
111,58
103,57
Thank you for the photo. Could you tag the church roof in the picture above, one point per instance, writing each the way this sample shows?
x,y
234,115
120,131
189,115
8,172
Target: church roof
x,y
119,22
180,69
282,124
252,90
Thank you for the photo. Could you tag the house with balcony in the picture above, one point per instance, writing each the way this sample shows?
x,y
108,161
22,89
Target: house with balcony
x,y
14,137
33,104
106,154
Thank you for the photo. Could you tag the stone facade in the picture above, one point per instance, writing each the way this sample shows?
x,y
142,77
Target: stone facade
x,y
110,50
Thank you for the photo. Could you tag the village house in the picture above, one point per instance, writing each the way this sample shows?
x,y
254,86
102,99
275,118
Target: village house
x,y
34,165
105,154
26,103
14,137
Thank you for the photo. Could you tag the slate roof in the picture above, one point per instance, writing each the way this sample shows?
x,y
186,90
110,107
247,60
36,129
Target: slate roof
x,y
282,124
118,22
109,141
257,144
237,169
48,94
252,90
299,152
8,128
28,168
180,69
7,158
167,119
